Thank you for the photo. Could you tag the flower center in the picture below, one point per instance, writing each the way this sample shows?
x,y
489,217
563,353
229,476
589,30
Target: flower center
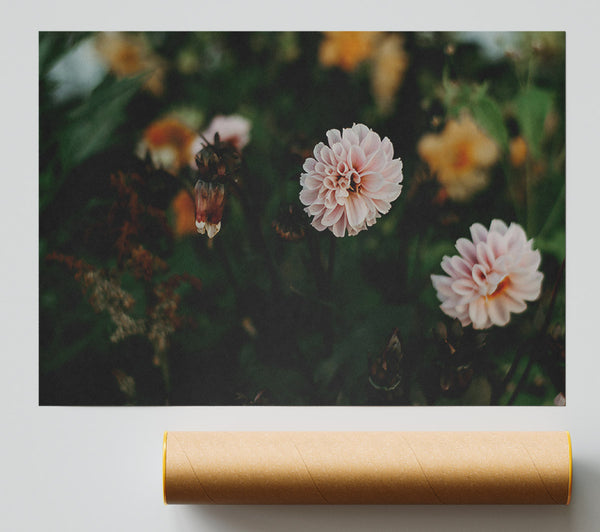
x,y
350,181
499,288
462,157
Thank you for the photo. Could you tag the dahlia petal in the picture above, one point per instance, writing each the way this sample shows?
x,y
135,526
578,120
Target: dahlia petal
x,y
332,215
320,168
309,164
361,131
327,155
313,182
342,167
478,314
463,287
478,274
498,226
376,162
393,171
315,209
496,245
371,143
389,192
525,292
513,305
478,233
372,182
449,307
340,196
333,136
461,266
357,158
531,260
356,210
498,311
317,151
447,266
350,136
338,151
467,250
387,148
485,255
515,236
318,225
308,196
442,284
339,228
383,206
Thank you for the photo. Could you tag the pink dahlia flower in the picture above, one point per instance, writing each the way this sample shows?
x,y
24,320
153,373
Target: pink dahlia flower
x,y
494,275
351,182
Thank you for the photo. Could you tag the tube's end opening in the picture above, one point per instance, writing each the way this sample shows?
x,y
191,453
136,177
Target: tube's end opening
x,y
164,467
570,467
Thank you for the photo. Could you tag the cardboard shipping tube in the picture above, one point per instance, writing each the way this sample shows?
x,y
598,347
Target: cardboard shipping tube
x,y
367,467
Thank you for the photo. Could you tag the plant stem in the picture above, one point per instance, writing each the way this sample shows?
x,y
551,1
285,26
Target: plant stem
x,y
315,263
256,235
521,382
328,322
507,378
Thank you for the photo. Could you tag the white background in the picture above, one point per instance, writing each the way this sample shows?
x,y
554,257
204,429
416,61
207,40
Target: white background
x,y
99,469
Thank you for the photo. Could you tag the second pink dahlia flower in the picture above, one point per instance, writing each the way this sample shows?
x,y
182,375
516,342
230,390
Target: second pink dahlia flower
x,y
350,182
494,275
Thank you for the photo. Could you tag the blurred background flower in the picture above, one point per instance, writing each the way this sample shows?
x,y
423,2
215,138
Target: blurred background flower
x,y
390,62
232,129
129,54
184,209
347,49
459,156
169,142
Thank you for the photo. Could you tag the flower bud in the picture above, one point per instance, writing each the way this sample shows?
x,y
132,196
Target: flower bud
x,y
210,201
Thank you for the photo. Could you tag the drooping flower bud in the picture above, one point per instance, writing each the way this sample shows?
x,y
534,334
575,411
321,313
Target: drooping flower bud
x,y
210,201
290,223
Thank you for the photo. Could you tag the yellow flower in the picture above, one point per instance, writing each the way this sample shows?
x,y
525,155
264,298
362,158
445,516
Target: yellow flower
x,y
389,65
169,142
346,49
129,54
459,156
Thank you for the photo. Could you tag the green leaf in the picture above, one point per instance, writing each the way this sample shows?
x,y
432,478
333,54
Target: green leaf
x,y
478,393
53,46
488,115
553,245
92,125
484,110
533,105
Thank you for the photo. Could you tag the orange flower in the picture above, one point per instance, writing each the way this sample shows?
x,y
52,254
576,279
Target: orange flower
x,y
129,54
185,214
346,49
459,156
169,142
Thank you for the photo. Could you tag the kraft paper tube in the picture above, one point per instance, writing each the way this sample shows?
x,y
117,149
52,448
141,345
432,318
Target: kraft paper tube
x,y
367,467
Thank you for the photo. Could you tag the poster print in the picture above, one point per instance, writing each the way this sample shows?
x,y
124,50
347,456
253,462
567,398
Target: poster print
x,y
338,218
